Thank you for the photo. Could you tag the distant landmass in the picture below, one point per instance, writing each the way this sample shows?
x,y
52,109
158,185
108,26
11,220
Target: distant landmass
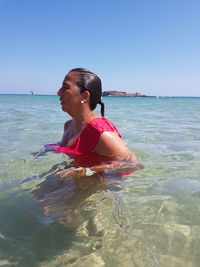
x,y
119,93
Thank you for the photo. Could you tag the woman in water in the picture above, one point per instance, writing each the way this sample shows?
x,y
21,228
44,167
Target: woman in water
x,y
96,147
91,140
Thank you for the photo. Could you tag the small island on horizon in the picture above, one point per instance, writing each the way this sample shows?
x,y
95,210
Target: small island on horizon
x,y
120,93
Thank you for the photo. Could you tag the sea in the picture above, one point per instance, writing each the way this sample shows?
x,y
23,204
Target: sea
x,y
148,218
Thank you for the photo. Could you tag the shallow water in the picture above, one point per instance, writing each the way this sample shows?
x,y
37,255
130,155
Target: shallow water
x,y
151,218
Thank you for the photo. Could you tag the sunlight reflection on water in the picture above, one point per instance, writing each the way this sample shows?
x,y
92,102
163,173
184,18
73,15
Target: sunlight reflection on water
x,y
151,218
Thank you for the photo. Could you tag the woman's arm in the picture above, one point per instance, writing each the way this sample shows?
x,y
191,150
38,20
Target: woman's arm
x,y
112,146
112,167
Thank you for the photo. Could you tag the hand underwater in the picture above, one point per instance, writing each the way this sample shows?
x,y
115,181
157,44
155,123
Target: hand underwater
x,y
71,172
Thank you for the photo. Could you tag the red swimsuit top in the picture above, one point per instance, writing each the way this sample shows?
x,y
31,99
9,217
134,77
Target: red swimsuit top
x,y
82,150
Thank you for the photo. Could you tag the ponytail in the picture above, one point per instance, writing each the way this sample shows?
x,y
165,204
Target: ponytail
x,y
102,108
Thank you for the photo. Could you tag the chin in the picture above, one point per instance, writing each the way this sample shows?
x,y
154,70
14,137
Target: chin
x,y
65,109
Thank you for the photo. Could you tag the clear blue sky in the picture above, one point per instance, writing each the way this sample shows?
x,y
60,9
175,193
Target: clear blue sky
x,y
148,46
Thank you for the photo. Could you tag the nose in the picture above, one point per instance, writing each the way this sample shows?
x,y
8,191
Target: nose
x,y
59,93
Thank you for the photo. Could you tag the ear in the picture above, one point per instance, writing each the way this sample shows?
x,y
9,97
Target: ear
x,y
86,96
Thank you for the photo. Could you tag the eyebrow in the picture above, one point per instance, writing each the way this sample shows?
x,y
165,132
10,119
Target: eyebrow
x,y
65,84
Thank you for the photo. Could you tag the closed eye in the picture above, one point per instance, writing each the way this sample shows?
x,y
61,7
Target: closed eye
x,y
65,87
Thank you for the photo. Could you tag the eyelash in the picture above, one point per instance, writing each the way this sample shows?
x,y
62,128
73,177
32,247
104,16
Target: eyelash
x,y
65,88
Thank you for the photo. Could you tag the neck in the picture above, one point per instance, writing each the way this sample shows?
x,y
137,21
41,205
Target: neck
x,y
81,119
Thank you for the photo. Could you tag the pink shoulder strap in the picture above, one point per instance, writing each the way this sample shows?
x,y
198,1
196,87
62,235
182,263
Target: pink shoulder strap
x,y
104,125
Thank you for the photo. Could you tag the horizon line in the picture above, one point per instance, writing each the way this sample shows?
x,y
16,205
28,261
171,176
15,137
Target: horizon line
x,y
156,96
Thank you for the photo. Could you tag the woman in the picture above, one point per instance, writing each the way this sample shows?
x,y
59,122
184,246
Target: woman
x,y
96,147
92,140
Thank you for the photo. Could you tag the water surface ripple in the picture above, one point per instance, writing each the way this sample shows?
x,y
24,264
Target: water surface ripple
x,y
151,218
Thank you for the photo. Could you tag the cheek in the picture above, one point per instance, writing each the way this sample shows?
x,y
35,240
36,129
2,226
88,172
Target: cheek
x,y
71,99
66,95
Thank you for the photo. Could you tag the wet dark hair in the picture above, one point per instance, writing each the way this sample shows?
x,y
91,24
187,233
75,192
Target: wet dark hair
x,y
89,81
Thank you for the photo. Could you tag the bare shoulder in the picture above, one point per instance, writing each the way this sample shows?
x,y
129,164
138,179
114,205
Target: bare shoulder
x,y
111,145
109,139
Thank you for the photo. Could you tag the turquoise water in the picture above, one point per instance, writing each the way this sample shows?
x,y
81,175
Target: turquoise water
x,y
152,218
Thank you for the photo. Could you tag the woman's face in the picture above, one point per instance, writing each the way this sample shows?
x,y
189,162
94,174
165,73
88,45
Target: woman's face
x,y
70,96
